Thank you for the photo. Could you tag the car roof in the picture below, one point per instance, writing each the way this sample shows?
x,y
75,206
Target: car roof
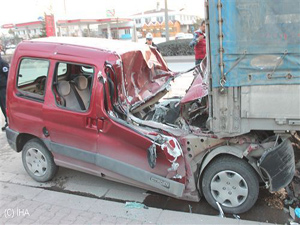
x,y
116,46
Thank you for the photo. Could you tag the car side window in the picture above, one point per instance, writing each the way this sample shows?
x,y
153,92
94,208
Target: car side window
x,y
72,85
32,76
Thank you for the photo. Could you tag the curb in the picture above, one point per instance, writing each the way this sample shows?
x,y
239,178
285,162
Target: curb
x,y
180,59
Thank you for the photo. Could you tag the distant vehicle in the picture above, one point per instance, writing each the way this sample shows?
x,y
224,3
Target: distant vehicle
x,y
183,36
10,49
163,34
10,46
126,36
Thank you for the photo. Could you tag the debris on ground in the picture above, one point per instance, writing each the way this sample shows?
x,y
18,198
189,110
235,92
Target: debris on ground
x,y
135,205
296,140
190,207
236,216
276,199
220,210
297,212
292,212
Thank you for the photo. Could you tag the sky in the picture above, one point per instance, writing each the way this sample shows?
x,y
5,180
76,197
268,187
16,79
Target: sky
x,y
20,11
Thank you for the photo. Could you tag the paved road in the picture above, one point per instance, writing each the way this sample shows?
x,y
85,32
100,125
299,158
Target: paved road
x,y
28,205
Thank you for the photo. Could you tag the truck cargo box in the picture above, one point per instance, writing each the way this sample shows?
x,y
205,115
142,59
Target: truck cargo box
x,y
254,65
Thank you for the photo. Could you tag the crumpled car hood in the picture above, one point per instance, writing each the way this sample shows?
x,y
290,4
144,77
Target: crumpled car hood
x,y
145,75
146,79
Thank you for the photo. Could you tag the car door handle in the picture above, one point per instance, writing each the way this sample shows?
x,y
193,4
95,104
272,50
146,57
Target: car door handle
x,y
100,124
95,123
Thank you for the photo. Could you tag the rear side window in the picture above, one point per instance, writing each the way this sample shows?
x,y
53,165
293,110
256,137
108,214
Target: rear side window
x,y
32,76
72,85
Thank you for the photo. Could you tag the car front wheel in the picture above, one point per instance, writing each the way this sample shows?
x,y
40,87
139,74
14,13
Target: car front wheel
x,y
232,182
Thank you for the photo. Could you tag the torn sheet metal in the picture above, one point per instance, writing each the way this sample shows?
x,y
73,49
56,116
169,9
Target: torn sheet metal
x,y
197,90
173,152
155,125
282,156
151,155
172,148
144,75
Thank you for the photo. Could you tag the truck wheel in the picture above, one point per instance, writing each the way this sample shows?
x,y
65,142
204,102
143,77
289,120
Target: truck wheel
x,y
232,182
38,161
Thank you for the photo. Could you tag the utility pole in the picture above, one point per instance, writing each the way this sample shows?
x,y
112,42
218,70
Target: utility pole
x,y
67,25
52,14
166,20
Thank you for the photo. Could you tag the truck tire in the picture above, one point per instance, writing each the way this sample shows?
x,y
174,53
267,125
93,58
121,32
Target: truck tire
x,y
38,161
232,182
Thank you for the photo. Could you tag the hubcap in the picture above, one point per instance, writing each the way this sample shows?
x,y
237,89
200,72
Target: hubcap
x,y
36,162
229,188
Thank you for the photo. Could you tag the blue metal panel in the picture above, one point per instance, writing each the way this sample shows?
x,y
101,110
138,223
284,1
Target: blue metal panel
x,y
261,42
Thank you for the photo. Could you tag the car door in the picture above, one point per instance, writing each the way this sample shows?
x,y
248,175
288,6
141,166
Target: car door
x,y
123,150
69,129
25,107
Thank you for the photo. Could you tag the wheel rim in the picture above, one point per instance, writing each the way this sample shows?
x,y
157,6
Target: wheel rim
x,y
229,188
36,162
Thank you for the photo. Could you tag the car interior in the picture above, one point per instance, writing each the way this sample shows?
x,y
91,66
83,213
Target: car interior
x,y
72,86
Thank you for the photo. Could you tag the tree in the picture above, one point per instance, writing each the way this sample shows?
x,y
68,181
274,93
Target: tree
x,y
14,38
43,29
4,42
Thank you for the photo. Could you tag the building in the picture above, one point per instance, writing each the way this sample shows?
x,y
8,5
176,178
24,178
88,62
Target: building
x,y
115,28
33,29
26,30
157,29
154,21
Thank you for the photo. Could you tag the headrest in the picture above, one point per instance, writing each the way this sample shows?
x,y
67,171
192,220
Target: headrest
x,y
63,88
81,82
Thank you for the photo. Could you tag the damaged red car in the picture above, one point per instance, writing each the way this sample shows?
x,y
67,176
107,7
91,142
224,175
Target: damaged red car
x,y
108,108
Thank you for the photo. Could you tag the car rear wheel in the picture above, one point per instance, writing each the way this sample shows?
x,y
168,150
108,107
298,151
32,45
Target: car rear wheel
x,y
232,182
38,161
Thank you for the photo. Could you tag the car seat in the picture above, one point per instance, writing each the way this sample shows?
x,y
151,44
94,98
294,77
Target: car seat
x,y
81,85
67,95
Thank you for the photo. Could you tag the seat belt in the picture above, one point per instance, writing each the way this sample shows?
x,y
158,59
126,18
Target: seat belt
x,y
81,104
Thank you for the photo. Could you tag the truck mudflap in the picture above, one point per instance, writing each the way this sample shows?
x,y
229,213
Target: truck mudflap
x,y
278,164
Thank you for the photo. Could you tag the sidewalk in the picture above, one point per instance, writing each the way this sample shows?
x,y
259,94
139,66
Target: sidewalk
x,y
180,58
28,205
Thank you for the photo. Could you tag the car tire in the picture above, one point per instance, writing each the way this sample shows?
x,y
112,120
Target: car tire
x,y
38,161
232,182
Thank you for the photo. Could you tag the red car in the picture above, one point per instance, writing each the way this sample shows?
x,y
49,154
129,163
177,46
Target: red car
x,y
98,106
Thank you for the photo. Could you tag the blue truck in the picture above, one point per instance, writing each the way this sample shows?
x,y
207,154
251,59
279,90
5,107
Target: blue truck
x,y
253,69
254,65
